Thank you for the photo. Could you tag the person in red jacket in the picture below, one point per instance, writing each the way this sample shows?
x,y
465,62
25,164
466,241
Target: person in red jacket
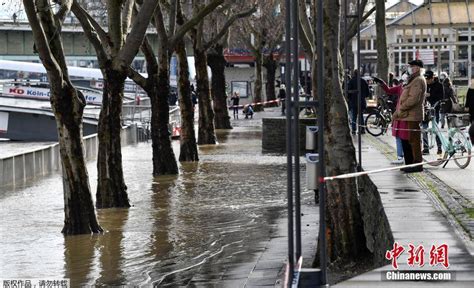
x,y
395,90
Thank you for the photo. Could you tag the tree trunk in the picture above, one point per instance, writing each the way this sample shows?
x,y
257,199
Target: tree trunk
x,y
79,210
111,188
188,151
258,81
68,105
348,240
271,66
217,62
164,160
206,133
381,43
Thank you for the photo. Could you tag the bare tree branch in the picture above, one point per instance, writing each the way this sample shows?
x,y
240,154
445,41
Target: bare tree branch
x,y
40,38
137,33
137,78
127,15
352,31
226,26
78,10
194,21
306,33
172,17
114,18
160,25
64,8
151,63
90,32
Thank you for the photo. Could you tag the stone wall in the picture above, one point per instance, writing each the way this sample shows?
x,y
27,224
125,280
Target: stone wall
x,y
274,134
32,165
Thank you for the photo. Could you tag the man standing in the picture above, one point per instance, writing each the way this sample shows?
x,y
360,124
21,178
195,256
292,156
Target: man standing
x,y
410,109
282,96
352,88
235,104
434,94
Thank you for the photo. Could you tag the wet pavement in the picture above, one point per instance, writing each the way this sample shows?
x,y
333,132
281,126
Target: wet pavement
x,y
414,218
220,222
461,180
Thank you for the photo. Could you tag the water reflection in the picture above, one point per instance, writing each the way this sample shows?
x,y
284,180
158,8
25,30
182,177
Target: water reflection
x,y
79,258
109,246
186,230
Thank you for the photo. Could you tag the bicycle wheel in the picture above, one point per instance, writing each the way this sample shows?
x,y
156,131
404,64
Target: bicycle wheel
x,y
375,124
461,149
432,143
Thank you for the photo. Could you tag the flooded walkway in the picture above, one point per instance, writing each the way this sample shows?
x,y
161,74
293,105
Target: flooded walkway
x,y
187,230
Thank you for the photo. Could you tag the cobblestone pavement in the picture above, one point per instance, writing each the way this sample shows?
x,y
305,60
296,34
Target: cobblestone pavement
x,y
454,186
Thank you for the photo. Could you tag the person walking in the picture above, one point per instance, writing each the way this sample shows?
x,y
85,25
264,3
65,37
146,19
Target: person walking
x,y
470,106
235,104
396,91
352,88
410,109
434,94
282,97
449,97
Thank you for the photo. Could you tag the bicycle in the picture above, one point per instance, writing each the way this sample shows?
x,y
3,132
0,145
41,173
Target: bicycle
x,y
456,144
377,122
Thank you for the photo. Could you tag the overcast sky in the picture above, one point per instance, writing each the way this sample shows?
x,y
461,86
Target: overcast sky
x,y
8,7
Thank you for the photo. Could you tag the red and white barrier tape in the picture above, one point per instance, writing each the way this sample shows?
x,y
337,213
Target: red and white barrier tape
x,y
357,174
255,104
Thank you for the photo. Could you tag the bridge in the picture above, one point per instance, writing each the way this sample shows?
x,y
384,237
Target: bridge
x,y
16,43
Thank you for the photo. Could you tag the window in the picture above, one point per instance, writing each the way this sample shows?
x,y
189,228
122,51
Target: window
x,y
242,87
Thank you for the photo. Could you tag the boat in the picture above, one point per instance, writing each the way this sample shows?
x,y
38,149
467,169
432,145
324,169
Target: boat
x,y
26,114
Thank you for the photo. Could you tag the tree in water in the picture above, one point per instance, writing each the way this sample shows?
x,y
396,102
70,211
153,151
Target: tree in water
x,y
307,34
381,43
217,63
261,34
115,51
358,232
68,105
201,44
157,85
271,59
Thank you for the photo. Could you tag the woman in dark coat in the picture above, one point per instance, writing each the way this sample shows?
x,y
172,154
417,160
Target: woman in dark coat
x,y
449,97
470,106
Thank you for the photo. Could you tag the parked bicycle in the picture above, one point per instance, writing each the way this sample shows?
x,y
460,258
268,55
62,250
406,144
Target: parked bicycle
x,y
456,145
377,122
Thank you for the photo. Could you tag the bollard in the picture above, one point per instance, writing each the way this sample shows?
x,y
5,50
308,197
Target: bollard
x,y
311,140
312,173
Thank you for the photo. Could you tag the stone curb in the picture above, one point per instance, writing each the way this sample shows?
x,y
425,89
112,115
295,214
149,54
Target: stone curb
x,y
447,200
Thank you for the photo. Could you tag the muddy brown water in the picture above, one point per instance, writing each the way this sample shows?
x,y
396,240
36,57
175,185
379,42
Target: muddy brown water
x,y
216,214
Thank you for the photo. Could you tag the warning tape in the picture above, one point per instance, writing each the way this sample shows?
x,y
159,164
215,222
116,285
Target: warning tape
x,y
357,174
256,103
402,129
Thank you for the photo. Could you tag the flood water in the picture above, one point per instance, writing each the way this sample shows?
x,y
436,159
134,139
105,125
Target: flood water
x,y
181,229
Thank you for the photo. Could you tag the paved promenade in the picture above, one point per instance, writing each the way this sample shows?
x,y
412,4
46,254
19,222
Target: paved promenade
x,y
415,216
454,186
